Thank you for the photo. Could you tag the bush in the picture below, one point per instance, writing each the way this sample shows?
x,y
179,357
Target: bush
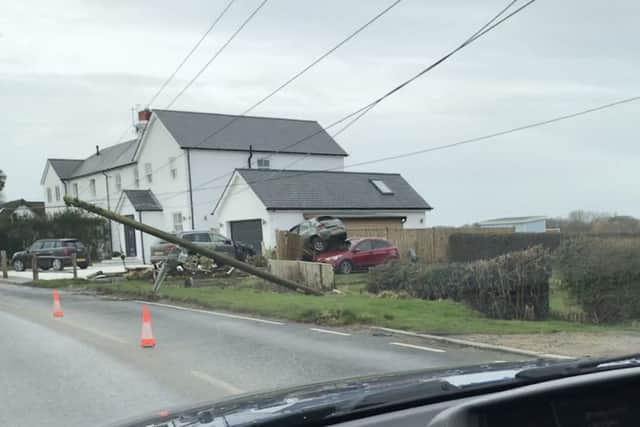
x,y
603,276
466,247
513,286
18,233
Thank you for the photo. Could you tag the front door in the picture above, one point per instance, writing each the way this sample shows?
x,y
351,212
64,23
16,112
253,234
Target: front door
x,y
130,239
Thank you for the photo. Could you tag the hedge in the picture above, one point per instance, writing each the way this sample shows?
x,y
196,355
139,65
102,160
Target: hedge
x,y
602,275
513,286
466,247
16,234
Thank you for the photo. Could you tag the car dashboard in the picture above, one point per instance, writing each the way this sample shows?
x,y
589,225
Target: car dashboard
x,y
596,399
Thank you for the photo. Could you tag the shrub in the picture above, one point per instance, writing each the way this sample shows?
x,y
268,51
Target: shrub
x,y
513,286
466,247
602,275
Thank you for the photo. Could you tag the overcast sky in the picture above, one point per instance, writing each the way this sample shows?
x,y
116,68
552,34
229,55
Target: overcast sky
x,y
71,70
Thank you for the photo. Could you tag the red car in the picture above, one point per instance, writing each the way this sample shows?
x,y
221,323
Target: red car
x,y
360,254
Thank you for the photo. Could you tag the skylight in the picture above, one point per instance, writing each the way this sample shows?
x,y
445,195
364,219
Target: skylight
x,y
381,186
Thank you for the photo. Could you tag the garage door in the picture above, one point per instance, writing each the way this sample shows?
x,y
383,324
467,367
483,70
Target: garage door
x,y
248,232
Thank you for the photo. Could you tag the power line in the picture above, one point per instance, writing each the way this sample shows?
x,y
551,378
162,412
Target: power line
x,y
191,52
218,52
357,114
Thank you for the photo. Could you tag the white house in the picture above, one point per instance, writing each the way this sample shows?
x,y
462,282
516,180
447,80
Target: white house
x,y
520,224
256,203
183,159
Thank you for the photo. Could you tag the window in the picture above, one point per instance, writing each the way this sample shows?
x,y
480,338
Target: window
x,y
380,244
263,163
148,172
36,245
218,238
57,193
197,237
364,245
177,221
49,198
92,187
118,182
173,168
136,177
381,186
76,192
48,244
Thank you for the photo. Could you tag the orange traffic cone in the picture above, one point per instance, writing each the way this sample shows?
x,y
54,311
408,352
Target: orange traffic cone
x,y
57,309
146,336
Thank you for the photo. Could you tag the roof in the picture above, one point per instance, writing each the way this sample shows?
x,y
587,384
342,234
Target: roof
x,y
109,158
512,220
264,134
35,207
64,167
309,190
143,200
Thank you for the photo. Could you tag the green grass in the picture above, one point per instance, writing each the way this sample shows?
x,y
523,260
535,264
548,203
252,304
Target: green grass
x,y
350,307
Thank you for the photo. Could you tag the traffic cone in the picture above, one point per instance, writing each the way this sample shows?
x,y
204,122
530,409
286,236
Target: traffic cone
x,y
57,308
146,336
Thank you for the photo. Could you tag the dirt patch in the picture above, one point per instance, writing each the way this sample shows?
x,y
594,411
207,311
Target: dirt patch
x,y
567,343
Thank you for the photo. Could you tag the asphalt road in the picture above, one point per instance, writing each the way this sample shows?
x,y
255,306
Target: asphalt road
x,y
88,369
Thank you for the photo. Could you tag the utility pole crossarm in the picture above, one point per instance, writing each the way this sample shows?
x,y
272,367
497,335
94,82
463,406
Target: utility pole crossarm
x,y
216,256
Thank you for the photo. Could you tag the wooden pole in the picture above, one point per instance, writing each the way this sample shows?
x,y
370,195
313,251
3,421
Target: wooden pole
x,y
3,260
216,256
34,266
74,263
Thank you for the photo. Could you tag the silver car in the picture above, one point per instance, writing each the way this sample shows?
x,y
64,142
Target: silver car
x,y
162,250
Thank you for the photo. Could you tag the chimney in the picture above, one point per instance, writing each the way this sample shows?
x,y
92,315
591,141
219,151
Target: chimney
x,y
97,150
143,119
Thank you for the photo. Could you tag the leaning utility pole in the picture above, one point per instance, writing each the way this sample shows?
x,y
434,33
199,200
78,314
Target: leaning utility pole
x,y
216,256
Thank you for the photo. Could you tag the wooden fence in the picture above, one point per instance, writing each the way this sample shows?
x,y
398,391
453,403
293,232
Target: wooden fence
x,y
431,245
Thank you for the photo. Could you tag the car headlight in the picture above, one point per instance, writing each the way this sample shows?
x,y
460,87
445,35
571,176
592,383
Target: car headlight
x,y
333,258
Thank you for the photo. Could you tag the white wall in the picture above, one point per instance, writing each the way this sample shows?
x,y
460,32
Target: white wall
x,y
51,180
531,227
415,220
144,241
243,204
209,164
157,147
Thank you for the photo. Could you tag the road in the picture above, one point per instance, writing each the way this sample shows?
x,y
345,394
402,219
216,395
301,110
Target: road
x,y
87,368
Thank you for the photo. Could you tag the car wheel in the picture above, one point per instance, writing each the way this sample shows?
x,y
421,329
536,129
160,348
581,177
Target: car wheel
x,y
345,267
57,264
18,265
83,266
318,244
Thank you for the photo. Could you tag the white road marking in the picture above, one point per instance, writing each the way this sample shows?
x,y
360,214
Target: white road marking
x,y
327,331
216,382
418,347
213,313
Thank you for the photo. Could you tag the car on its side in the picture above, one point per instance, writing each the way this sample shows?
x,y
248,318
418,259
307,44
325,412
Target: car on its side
x,y
52,253
359,254
320,232
163,250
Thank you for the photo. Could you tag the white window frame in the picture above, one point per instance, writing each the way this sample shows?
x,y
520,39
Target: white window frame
x,y
173,169
177,221
148,172
49,195
263,163
76,191
136,177
92,187
57,193
118,182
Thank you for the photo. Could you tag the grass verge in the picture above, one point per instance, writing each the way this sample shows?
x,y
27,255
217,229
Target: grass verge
x,y
352,306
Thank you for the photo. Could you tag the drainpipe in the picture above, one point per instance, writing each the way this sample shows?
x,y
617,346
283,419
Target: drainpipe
x,y
250,156
141,237
106,183
193,226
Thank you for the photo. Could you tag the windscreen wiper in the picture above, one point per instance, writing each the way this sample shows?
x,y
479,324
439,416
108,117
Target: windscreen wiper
x,y
579,367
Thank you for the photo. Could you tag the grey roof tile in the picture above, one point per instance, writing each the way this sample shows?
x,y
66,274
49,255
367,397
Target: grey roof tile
x,y
64,167
330,190
143,200
110,157
266,134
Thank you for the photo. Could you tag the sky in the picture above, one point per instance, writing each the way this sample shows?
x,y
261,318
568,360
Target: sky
x,y
72,70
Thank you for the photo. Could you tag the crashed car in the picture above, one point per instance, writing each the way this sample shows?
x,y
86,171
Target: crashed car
x,y
321,232
163,251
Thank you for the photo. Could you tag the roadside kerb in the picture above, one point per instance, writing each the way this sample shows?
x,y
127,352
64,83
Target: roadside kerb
x,y
475,344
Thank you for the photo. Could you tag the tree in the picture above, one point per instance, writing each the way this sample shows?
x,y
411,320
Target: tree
x,y
3,180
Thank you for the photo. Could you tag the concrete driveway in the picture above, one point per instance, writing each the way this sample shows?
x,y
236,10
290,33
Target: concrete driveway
x,y
113,265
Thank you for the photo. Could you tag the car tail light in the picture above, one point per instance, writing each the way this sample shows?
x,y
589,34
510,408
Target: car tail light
x,y
169,246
